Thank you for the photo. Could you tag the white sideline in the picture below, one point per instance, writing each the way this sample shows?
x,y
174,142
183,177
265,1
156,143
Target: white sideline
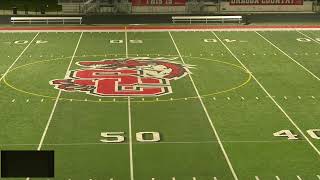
x,y
57,98
274,101
289,56
308,37
164,30
207,114
129,119
15,61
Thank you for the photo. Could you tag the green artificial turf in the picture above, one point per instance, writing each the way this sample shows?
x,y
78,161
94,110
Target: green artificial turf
x,y
249,90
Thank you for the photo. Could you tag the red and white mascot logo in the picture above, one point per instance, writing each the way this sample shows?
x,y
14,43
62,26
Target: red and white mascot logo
x,y
123,77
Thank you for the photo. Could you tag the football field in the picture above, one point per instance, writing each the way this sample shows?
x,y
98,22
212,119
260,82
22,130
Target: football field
x,y
196,105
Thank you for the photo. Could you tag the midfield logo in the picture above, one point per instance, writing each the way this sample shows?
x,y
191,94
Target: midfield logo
x,y
123,77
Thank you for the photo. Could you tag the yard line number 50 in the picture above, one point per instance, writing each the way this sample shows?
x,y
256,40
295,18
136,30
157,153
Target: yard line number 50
x,y
119,137
313,133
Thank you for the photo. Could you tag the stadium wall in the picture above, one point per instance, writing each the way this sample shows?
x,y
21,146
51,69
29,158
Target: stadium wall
x,y
306,7
158,9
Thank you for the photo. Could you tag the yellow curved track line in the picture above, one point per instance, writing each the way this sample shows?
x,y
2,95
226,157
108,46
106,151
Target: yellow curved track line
x,y
140,101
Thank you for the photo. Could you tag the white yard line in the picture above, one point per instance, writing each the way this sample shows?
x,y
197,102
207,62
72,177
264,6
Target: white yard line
x,y
269,95
207,114
129,119
289,56
130,140
16,60
299,178
57,98
308,37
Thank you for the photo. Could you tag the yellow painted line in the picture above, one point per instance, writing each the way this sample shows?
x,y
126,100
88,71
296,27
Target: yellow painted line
x,y
124,101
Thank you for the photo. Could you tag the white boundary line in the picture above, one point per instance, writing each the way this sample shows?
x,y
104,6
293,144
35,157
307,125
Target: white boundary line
x,y
273,100
207,114
129,119
57,98
166,30
308,37
288,56
15,61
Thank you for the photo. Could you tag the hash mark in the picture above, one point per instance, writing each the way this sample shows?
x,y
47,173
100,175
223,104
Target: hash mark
x,y
214,178
173,178
257,98
257,178
194,178
111,178
299,97
312,97
318,177
285,97
277,177
13,100
299,177
242,98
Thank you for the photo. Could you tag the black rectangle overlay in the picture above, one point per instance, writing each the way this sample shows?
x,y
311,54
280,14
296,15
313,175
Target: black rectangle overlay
x,y
27,164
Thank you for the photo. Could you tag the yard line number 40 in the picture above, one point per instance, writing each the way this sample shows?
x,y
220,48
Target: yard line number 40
x,y
313,133
119,137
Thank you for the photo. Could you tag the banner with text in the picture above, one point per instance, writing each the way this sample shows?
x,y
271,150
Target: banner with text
x,y
158,2
266,2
